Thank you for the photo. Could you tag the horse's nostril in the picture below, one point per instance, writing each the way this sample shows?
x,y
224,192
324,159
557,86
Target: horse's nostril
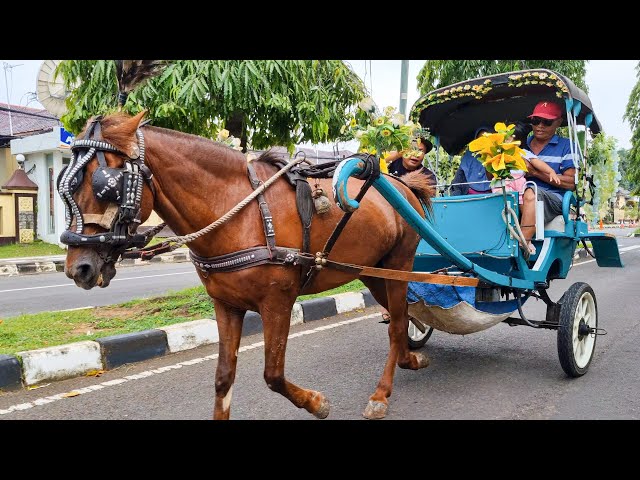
x,y
84,271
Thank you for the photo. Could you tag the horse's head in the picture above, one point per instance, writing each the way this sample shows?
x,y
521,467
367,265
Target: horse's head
x,y
105,196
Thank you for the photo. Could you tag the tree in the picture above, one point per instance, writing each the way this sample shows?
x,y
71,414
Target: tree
x,y
603,162
632,115
440,73
623,168
262,102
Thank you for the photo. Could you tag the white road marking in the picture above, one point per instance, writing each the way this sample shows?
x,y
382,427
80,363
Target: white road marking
x,y
74,285
158,371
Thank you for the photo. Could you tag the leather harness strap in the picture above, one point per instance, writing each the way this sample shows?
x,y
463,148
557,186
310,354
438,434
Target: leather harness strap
x,y
402,275
265,213
249,257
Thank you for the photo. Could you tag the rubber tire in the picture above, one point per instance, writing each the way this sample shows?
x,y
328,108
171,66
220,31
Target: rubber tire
x,y
418,343
570,302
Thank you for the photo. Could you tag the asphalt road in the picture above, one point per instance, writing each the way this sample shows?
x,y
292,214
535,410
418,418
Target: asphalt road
x,y
54,291
503,373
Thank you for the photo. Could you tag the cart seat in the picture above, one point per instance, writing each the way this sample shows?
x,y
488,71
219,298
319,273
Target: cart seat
x,y
556,224
474,226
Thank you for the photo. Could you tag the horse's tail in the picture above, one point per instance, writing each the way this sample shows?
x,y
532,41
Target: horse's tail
x,y
422,186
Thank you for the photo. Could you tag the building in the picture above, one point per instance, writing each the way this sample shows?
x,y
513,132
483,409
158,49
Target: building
x,y
19,191
625,207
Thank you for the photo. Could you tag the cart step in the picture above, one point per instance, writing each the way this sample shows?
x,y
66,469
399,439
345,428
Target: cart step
x,y
605,249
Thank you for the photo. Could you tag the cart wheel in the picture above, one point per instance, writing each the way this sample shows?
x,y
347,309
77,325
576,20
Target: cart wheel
x,y
578,320
417,339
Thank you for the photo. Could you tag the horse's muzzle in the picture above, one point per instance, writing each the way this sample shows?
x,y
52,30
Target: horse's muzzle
x,y
89,270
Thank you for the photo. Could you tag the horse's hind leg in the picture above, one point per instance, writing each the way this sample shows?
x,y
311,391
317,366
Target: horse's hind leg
x,y
229,321
276,321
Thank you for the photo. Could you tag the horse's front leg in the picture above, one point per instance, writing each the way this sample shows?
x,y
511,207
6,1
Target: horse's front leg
x,y
398,350
229,321
276,321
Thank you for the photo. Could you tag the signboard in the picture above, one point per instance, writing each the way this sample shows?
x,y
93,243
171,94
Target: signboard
x,y
65,138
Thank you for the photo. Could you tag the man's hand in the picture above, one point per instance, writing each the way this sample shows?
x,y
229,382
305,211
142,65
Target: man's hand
x,y
531,170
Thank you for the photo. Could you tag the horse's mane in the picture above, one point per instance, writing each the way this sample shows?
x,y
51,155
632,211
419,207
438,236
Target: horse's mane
x,y
420,184
271,157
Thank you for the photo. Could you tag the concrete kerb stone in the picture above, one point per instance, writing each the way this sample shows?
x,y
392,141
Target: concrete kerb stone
x,y
60,362
76,359
184,336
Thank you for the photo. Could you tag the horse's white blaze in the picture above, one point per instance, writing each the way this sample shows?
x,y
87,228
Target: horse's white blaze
x,y
226,401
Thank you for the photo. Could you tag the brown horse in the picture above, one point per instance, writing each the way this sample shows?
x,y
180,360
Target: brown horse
x,y
194,181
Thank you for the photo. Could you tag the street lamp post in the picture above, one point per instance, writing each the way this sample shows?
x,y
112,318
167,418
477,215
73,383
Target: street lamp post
x,y
404,80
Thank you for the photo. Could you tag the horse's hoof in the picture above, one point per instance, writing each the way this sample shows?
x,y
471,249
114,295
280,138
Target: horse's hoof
x,y
416,361
375,410
421,359
323,410
323,405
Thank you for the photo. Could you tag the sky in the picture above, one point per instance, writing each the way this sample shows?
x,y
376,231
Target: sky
x,y
610,83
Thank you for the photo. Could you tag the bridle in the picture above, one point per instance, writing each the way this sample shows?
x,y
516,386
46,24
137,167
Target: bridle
x,y
121,187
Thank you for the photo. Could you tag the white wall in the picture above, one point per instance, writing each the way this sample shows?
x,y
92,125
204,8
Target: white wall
x,y
35,149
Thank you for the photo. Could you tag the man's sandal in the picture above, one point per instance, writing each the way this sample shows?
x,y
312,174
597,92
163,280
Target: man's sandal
x,y
386,317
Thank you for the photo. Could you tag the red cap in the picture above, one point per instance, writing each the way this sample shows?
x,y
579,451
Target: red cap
x,y
548,110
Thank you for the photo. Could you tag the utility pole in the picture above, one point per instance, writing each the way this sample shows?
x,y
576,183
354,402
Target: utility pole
x,y
6,84
404,80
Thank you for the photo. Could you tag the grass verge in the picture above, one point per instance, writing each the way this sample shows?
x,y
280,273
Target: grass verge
x,y
35,249
48,329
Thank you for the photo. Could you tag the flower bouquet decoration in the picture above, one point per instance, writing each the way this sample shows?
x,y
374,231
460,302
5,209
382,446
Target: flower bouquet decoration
x,y
380,134
499,154
228,140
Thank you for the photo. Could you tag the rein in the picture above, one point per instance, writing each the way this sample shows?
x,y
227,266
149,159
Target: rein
x,y
122,188
178,241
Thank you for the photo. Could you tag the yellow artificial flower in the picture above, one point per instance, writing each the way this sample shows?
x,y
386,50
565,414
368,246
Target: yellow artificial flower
x,y
501,127
485,143
520,163
384,168
497,162
498,152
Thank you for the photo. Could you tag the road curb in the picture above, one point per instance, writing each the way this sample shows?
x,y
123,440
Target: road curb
x,y
29,368
31,267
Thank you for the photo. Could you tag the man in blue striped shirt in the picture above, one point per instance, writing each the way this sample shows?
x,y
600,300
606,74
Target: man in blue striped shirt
x,y
555,151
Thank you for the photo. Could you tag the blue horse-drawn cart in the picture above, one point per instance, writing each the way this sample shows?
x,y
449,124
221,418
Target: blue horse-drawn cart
x,y
478,236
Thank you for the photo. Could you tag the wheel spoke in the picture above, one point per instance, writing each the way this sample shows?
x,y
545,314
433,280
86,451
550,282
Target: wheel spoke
x,y
582,307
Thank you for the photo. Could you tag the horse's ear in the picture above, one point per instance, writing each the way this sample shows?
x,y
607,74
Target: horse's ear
x,y
132,150
139,117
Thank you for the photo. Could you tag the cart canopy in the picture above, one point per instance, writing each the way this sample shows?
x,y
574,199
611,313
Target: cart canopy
x,y
453,113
